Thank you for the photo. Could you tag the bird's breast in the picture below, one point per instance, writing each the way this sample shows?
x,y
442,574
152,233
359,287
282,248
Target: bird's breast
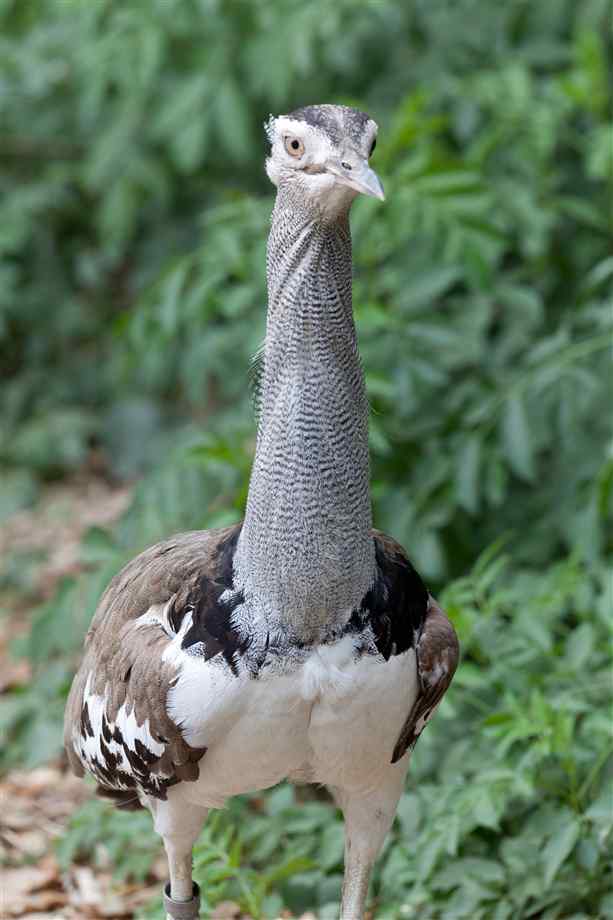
x,y
331,715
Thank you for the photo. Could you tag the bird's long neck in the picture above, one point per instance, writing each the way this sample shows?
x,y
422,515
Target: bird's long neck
x,y
306,551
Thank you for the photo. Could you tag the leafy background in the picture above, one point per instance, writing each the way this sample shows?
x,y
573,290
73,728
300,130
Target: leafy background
x,y
133,217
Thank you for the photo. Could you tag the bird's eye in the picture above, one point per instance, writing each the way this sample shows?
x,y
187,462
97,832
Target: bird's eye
x,y
372,147
294,146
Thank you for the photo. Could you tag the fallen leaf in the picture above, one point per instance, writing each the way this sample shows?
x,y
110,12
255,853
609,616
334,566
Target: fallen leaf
x,y
21,883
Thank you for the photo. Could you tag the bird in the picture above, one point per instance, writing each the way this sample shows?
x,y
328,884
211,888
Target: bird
x,y
297,644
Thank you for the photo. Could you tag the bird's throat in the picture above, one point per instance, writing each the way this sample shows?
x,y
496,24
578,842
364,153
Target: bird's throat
x,y
306,552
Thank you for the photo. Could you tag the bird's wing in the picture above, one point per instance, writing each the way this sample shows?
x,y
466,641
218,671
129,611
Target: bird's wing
x,y
437,652
402,615
117,724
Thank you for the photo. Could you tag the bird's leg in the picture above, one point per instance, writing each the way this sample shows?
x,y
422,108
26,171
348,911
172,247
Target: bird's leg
x,y
179,825
355,885
179,853
368,818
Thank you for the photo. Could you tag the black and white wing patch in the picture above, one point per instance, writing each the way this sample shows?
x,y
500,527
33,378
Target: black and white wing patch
x,y
128,755
437,653
117,725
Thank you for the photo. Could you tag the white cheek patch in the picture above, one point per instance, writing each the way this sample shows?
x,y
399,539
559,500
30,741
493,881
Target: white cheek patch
x,y
317,146
271,171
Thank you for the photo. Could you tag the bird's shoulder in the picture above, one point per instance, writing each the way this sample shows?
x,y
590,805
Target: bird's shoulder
x,y
403,614
396,604
174,566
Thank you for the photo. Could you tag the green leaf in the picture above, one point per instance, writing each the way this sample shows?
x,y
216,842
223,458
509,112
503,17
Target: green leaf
x,y
559,848
517,438
332,846
427,287
579,646
606,907
467,473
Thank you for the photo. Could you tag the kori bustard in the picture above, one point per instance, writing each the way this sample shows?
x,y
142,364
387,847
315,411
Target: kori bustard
x,y
300,644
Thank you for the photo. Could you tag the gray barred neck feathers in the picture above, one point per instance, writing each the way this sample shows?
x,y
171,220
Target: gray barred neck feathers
x,y
306,554
314,198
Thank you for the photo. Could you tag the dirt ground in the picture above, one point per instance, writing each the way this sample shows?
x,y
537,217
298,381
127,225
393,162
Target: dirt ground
x,y
35,807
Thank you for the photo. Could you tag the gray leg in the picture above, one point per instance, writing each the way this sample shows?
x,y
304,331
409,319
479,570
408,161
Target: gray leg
x,y
368,818
179,825
181,895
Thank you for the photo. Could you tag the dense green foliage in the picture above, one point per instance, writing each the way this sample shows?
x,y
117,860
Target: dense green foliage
x,y
133,218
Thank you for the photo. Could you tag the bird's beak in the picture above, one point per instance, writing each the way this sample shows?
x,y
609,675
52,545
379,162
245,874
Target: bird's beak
x,y
357,175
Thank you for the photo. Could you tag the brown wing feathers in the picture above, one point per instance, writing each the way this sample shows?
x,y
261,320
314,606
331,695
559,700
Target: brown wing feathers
x,y
437,653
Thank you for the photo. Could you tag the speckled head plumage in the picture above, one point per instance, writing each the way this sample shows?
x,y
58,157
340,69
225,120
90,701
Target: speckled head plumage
x,y
322,152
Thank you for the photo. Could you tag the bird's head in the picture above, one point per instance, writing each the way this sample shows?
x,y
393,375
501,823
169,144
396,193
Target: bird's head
x,y
322,152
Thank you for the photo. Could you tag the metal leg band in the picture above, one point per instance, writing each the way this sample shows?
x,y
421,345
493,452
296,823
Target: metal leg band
x,y
182,910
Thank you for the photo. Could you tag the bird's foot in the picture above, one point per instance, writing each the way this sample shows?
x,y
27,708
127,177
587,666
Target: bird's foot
x,y
182,910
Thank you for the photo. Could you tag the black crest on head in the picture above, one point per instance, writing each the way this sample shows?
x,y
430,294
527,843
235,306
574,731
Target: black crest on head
x,y
333,120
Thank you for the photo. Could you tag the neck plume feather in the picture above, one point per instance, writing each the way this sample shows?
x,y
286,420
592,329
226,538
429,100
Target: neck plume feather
x,y
306,552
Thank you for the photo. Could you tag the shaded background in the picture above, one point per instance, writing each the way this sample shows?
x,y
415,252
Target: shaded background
x,y
133,217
